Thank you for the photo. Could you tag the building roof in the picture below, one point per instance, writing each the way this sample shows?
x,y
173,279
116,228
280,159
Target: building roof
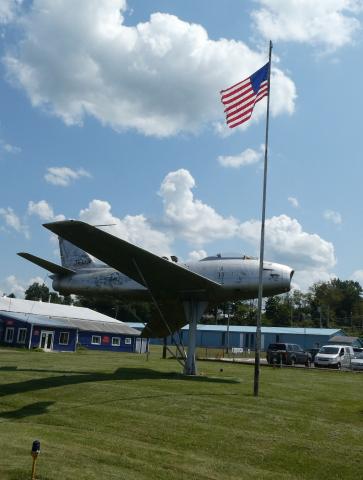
x,y
344,340
252,329
55,315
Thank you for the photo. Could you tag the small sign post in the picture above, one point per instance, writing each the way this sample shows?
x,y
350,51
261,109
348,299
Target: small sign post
x,y
35,452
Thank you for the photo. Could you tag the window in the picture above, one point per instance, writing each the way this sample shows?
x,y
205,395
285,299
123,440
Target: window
x,y
277,346
96,340
329,350
63,338
115,341
127,341
21,335
9,334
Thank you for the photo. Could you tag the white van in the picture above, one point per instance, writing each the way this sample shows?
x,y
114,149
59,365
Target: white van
x,y
334,356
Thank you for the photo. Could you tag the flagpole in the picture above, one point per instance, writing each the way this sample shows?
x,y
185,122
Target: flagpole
x,y
262,245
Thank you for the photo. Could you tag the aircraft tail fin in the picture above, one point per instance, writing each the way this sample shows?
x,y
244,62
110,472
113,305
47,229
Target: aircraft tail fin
x,y
50,266
73,257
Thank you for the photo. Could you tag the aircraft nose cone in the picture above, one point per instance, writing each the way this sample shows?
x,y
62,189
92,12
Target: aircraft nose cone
x,y
291,274
284,275
287,274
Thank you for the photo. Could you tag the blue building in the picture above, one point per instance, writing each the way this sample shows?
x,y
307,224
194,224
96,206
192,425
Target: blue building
x,y
54,327
236,336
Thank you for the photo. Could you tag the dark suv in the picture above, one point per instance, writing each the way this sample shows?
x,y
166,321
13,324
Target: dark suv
x,y
288,354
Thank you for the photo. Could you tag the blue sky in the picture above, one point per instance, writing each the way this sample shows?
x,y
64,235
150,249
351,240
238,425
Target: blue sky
x,y
110,113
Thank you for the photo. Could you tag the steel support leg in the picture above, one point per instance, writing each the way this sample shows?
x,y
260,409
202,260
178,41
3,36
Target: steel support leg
x,y
194,311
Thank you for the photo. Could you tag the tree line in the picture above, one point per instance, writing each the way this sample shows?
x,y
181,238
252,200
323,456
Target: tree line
x,y
333,304
110,306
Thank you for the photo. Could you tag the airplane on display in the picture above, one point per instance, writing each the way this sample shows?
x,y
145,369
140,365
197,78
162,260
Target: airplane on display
x,y
181,292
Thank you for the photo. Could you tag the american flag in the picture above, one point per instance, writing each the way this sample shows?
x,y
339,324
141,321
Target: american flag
x,y
241,98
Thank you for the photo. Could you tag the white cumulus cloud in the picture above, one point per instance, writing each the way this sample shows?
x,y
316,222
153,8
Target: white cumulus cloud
x,y
8,10
44,211
357,276
247,157
13,221
133,228
196,255
329,23
304,279
332,216
158,77
287,241
190,217
12,284
63,176
8,148
293,201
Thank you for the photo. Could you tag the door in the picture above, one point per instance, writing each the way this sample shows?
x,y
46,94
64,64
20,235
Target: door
x,y
300,354
46,341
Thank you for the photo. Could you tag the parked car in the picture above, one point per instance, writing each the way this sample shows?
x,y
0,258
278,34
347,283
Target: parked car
x,y
357,362
357,350
334,356
288,354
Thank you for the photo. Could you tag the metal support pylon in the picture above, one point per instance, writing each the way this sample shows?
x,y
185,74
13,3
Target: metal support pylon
x,y
193,311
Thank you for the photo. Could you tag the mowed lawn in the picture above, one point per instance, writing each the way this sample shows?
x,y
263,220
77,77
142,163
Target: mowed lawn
x,y
101,415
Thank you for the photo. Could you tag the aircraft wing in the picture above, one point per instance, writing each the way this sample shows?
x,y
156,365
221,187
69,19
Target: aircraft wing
x,y
50,266
168,282
172,319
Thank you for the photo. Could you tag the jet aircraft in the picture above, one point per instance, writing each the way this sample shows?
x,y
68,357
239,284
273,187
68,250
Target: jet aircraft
x,y
180,291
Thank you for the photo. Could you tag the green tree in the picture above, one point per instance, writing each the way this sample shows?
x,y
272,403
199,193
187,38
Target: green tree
x,y
55,298
335,302
113,307
244,313
36,291
278,311
66,300
300,311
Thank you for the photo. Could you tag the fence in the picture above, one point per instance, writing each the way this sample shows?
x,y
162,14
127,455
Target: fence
x,y
233,352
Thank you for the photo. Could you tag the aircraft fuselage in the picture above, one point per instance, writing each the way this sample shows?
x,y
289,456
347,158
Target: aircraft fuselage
x,y
237,276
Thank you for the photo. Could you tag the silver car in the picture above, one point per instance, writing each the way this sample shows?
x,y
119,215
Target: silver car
x,y
334,356
357,362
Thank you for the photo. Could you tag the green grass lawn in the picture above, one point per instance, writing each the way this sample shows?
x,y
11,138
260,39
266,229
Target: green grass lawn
x,y
103,415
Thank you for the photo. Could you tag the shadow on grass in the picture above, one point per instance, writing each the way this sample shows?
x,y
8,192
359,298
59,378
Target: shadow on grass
x,y
120,374
145,373
45,370
37,408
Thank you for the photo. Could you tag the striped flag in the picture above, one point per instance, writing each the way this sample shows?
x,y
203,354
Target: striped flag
x,y
240,99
